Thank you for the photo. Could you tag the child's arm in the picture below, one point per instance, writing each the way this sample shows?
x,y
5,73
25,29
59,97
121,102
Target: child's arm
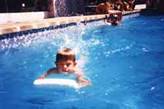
x,y
81,79
50,71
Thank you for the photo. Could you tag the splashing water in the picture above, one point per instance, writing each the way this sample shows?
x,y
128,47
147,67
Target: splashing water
x,y
70,37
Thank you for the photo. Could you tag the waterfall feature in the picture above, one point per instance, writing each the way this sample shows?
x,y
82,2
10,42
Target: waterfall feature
x,y
65,7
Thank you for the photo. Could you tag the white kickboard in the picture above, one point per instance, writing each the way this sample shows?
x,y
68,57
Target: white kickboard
x,y
60,82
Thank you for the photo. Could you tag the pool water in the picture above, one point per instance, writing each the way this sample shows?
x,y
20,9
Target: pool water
x,y
124,63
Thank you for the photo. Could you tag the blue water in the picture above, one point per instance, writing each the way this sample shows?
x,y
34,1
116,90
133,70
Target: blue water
x,y
124,63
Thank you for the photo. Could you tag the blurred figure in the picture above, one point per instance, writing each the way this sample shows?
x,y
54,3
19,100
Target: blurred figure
x,y
114,17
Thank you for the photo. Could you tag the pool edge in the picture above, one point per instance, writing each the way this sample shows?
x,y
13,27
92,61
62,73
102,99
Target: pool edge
x,y
45,23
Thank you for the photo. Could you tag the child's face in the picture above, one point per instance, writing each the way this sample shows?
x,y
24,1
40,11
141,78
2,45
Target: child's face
x,y
66,65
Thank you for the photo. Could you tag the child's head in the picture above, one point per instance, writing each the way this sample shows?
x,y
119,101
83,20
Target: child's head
x,y
65,54
65,59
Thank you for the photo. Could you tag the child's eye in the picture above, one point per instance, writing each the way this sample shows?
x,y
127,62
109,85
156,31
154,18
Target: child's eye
x,y
68,64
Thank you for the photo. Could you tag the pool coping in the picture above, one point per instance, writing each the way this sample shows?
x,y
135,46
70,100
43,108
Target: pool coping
x,y
45,23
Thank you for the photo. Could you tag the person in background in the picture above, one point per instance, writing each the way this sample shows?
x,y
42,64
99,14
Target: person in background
x,y
114,17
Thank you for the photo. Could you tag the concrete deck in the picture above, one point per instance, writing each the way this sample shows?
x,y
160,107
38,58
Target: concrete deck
x,y
24,26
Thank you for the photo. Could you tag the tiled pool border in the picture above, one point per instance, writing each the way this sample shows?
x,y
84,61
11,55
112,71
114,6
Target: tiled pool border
x,y
10,30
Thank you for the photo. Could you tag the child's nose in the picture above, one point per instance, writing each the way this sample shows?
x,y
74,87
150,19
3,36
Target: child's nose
x,y
65,66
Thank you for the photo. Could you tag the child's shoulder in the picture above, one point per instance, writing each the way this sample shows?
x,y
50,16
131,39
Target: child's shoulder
x,y
53,70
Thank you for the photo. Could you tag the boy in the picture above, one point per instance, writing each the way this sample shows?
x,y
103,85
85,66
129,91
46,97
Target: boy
x,y
66,64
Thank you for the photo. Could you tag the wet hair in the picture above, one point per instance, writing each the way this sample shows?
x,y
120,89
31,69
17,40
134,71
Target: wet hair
x,y
114,17
65,54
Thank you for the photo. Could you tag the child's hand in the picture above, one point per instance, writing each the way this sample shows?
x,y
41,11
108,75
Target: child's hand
x,y
83,82
41,77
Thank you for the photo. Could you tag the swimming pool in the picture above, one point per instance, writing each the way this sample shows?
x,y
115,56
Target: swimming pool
x,y
124,63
